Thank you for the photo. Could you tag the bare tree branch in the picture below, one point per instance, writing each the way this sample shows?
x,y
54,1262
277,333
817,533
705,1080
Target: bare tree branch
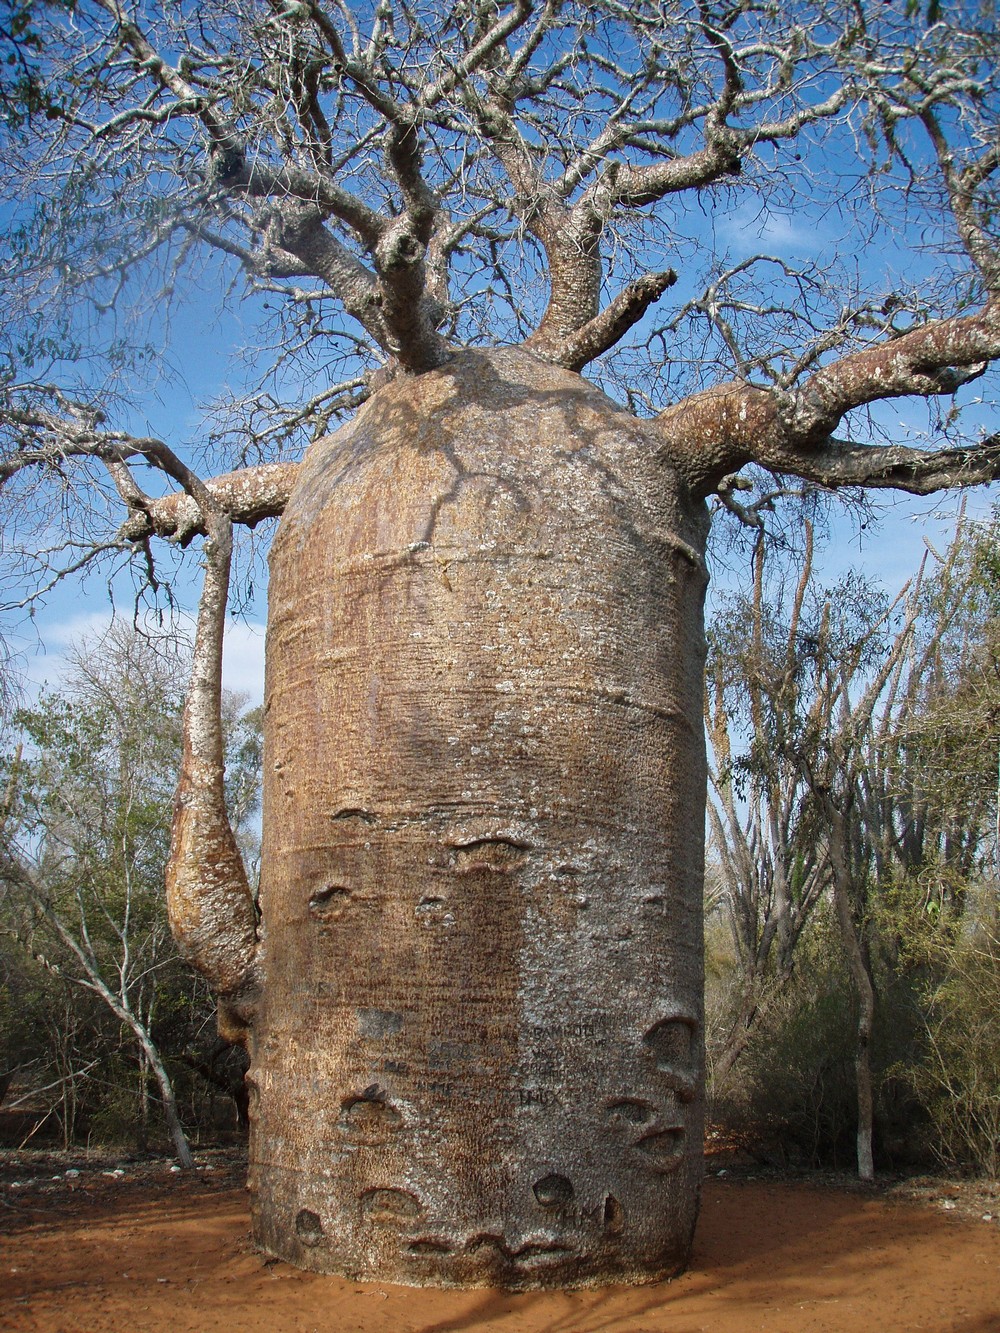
x,y
209,902
935,358
714,433
609,327
248,496
837,464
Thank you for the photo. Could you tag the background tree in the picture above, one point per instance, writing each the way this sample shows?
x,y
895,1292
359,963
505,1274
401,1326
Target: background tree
x,y
815,670
837,716
948,747
84,848
882,818
410,186
938,926
771,865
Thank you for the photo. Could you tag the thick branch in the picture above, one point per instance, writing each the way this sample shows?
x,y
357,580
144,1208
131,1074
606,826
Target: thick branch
x,y
637,187
393,308
409,316
962,186
209,903
572,247
713,434
838,463
609,327
406,160
247,496
297,231
572,237
260,181
569,236
936,358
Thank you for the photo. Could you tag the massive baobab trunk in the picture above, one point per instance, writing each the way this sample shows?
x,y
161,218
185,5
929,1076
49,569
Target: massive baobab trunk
x,y
477,1056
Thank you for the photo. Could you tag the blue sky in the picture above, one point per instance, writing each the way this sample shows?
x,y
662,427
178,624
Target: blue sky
x,y
201,352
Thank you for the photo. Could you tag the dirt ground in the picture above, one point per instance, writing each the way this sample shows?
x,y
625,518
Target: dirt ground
x,y
137,1248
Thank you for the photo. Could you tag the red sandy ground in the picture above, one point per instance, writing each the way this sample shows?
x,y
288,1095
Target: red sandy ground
x,y
153,1252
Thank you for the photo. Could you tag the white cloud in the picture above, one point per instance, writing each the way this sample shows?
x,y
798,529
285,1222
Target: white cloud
x,y
749,231
243,659
47,664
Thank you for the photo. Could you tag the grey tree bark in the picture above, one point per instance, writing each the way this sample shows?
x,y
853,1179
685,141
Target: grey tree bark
x,y
862,984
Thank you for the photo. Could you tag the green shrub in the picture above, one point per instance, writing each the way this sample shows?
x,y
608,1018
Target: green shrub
x,y
959,1080
793,1087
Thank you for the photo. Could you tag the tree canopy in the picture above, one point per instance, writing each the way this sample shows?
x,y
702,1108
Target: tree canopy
x,y
393,181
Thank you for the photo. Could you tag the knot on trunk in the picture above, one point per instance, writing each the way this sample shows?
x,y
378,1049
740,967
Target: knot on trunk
x,y
398,249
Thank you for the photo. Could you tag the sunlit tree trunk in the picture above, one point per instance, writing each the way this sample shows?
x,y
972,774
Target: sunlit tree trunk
x,y
477,1056
862,984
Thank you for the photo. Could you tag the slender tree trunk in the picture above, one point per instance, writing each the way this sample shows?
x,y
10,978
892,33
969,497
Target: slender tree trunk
x,y
864,989
754,1008
120,1006
66,1114
67,1074
733,1047
143,1100
169,1099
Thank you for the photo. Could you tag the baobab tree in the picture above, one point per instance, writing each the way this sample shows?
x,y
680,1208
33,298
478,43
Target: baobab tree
x,y
473,994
